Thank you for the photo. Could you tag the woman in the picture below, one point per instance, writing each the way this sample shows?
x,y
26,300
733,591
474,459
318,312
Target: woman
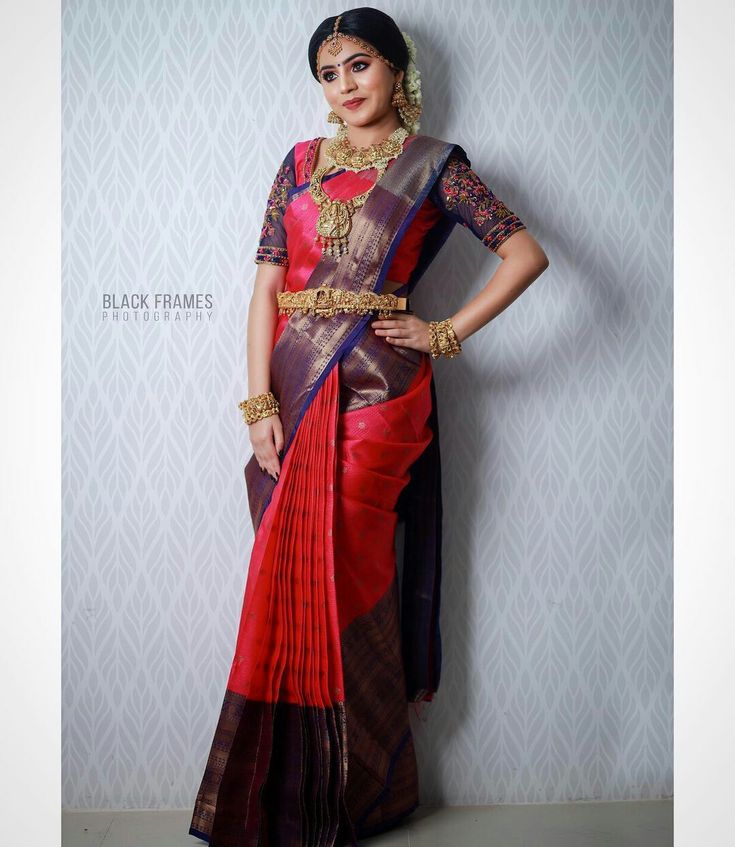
x,y
313,744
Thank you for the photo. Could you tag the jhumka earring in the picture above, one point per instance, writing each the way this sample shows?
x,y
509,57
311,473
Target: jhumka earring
x,y
409,112
334,118
399,95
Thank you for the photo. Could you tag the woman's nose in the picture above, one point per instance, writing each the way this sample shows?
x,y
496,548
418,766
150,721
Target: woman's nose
x,y
346,84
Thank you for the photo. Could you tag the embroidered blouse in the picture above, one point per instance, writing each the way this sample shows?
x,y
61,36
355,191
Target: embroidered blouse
x,y
458,193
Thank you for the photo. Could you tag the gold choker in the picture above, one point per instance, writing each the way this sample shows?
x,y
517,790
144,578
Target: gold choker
x,y
343,154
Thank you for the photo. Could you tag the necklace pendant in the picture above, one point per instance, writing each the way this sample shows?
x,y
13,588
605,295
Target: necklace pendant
x,y
334,220
335,247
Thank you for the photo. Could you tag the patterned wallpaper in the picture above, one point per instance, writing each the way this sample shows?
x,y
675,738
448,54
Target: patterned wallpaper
x,y
555,421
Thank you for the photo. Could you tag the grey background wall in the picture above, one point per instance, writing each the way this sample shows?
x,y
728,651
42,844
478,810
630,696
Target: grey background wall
x,y
555,421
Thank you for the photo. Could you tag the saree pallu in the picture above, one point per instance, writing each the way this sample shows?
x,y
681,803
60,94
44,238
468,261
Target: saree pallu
x,y
313,746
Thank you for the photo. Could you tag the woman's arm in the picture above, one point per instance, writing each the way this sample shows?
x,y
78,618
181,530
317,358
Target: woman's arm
x,y
462,195
271,257
523,261
262,321
266,435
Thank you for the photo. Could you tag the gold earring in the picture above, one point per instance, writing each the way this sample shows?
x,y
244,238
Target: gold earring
x,y
334,118
409,112
399,96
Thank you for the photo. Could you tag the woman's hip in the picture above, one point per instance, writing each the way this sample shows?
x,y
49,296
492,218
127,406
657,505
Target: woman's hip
x,y
377,443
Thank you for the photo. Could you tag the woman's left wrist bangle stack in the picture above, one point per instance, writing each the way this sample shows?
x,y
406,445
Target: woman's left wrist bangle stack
x,y
442,339
258,407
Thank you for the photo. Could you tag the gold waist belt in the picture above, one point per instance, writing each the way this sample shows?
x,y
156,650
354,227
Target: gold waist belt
x,y
326,302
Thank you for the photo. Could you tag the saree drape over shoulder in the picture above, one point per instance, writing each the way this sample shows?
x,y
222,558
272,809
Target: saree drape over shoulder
x,y
313,746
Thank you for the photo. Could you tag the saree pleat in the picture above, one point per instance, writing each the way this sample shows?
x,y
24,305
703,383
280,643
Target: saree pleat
x,y
313,744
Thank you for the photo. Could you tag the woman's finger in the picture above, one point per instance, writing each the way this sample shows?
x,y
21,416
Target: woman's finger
x,y
388,322
278,434
394,333
268,458
396,329
269,467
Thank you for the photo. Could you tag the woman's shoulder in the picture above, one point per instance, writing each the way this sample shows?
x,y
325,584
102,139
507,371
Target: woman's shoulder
x,y
443,148
303,152
305,143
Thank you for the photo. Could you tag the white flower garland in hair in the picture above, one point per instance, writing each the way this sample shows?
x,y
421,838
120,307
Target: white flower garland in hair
x,y
412,80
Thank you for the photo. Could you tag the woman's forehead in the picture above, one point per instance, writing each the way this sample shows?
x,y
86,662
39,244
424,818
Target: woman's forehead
x,y
348,51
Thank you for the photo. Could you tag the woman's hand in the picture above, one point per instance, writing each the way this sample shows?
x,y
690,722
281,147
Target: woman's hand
x,y
404,331
266,436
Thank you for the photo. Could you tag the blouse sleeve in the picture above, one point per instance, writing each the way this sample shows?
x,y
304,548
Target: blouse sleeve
x,y
272,248
462,195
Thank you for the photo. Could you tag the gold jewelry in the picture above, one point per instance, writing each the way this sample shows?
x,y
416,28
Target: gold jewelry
x,y
335,216
258,407
409,112
326,302
334,223
442,339
343,154
399,95
336,45
334,118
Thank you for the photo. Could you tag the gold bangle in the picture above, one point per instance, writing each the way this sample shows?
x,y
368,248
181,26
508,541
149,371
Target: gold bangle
x,y
442,339
259,407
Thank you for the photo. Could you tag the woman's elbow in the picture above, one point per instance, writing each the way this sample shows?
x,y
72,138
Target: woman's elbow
x,y
536,258
535,254
523,247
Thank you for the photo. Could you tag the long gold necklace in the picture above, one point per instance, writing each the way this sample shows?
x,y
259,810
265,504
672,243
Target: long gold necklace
x,y
334,223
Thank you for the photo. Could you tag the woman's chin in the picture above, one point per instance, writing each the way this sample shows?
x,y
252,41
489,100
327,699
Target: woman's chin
x,y
354,120
363,120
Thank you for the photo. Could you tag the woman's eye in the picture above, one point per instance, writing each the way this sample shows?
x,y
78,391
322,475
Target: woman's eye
x,y
357,66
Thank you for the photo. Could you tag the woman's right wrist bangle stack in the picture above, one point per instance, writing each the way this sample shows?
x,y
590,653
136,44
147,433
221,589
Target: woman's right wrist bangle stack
x,y
442,339
258,407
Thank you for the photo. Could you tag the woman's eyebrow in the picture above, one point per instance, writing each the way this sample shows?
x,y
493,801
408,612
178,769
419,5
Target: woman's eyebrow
x,y
348,59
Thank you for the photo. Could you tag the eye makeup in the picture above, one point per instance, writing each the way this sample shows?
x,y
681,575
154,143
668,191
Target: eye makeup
x,y
325,74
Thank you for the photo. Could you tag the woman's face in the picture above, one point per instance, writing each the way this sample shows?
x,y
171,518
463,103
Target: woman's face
x,y
352,75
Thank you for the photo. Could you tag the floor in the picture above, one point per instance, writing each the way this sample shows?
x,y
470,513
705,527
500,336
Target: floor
x,y
647,823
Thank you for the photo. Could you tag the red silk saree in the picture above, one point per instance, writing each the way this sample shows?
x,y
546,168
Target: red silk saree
x,y
313,744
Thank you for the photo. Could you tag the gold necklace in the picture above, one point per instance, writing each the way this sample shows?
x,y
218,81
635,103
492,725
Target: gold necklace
x,y
343,154
334,223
